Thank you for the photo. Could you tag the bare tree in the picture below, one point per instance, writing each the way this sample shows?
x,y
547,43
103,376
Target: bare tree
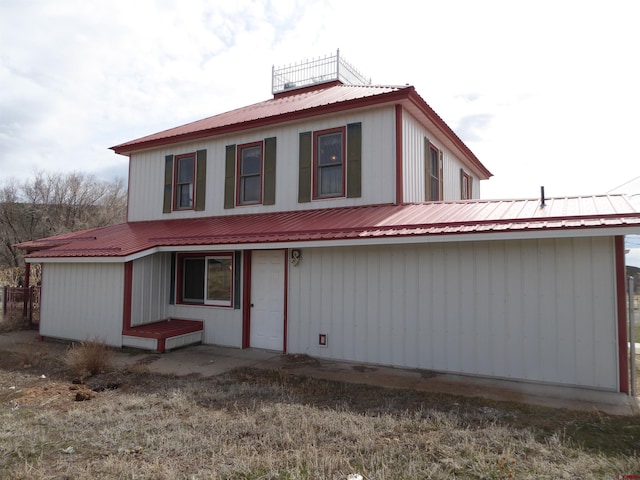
x,y
52,204
11,225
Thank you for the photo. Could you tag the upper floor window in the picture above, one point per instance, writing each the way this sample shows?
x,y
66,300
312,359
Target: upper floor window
x,y
185,182
250,173
249,188
185,175
465,185
433,177
329,165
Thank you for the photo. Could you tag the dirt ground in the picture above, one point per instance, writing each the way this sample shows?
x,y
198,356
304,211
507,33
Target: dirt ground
x,y
40,378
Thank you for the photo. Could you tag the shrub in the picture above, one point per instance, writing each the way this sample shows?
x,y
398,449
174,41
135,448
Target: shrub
x,y
89,358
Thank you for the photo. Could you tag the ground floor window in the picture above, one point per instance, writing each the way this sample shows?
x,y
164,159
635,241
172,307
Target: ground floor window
x,y
206,279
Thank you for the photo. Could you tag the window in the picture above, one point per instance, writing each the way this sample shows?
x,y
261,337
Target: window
x,y
185,182
329,163
206,279
185,174
219,280
249,176
434,174
465,185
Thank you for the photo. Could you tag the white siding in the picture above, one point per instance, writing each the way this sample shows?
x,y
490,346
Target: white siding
x,y
146,179
222,326
414,164
151,288
538,310
83,301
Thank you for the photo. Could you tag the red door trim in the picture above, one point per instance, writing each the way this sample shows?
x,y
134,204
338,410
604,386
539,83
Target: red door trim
x,y
246,300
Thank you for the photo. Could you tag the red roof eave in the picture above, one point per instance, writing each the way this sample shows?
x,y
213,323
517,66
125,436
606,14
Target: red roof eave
x,y
363,102
436,219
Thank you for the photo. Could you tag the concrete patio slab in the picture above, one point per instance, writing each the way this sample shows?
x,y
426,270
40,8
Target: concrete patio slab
x,y
207,360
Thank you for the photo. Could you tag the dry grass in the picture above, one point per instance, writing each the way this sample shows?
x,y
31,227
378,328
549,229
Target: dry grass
x,y
89,358
255,424
12,322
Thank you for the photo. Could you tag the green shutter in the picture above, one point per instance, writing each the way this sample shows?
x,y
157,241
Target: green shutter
x,y
230,177
427,170
354,160
462,184
304,167
269,191
168,184
201,179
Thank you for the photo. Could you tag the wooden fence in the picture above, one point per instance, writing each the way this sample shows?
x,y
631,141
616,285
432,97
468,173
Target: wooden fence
x,y
19,302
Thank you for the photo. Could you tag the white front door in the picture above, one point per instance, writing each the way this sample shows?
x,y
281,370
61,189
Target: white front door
x,y
267,299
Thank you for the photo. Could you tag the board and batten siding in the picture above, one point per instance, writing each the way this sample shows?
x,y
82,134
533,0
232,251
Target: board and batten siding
x,y
150,288
413,160
538,310
83,301
146,178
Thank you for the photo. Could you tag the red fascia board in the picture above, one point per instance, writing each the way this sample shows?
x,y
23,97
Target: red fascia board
x,y
417,100
388,97
386,220
329,234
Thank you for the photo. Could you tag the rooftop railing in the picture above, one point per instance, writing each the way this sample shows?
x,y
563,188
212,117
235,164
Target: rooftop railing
x,y
316,71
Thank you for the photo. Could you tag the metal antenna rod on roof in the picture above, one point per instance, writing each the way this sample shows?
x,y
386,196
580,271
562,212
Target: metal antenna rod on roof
x,y
542,202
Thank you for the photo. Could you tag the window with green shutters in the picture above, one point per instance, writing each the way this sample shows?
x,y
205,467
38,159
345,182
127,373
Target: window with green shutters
x,y
330,163
250,174
185,179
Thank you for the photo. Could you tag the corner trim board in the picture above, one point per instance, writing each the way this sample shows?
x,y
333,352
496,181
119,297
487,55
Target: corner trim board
x,y
246,299
128,293
621,300
399,172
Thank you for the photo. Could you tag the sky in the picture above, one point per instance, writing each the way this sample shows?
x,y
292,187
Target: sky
x,y
545,93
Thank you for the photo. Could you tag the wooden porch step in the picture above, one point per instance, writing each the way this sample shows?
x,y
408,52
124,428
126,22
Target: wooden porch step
x,y
164,330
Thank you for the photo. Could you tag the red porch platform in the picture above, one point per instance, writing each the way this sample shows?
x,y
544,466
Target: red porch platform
x,y
163,330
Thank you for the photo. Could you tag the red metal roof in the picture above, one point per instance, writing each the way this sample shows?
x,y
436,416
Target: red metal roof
x,y
304,103
273,109
349,223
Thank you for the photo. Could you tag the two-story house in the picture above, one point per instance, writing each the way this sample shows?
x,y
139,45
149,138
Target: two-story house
x,y
343,220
